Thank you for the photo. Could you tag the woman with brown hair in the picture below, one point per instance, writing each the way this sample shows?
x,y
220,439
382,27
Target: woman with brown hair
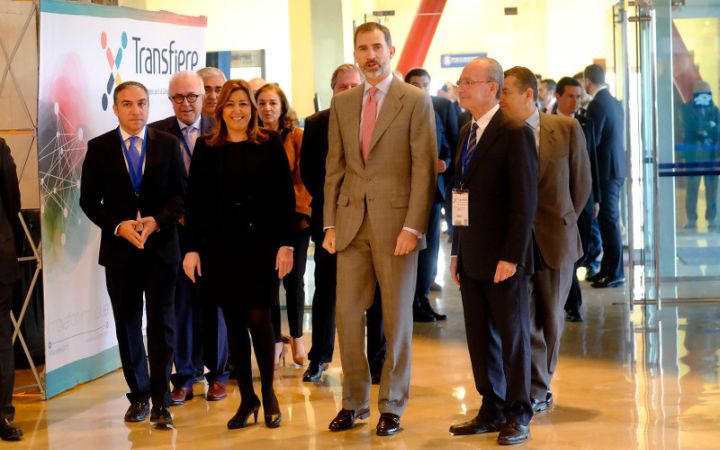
x,y
276,115
239,212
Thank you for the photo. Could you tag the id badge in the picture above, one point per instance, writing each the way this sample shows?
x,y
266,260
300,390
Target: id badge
x,y
460,211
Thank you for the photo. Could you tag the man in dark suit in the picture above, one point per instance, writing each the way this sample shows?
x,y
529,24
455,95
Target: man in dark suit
x,y
446,128
607,116
132,187
492,258
312,170
9,273
200,333
569,96
564,185
213,81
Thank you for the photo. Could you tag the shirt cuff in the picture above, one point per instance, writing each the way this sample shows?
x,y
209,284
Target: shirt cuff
x,y
116,229
413,231
331,227
292,249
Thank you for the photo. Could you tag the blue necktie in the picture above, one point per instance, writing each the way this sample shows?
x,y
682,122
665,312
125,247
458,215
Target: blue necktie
x,y
134,163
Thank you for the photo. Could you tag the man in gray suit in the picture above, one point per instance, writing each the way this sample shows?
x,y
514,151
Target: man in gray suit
x,y
9,273
564,185
379,185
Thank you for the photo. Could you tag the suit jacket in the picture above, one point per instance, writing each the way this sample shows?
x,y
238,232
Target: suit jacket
x,y
445,109
107,196
607,115
9,221
170,125
589,132
268,198
564,184
399,180
314,151
502,183
443,148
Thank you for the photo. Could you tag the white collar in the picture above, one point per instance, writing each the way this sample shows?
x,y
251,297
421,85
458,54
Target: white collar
x,y
604,86
485,119
534,119
126,135
195,124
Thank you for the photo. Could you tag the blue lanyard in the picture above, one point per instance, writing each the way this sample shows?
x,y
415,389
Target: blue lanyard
x,y
135,171
465,157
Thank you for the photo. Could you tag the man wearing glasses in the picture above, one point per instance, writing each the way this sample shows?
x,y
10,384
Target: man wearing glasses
x,y
201,336
492,256
213,79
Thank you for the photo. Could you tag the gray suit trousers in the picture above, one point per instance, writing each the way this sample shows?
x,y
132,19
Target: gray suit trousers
x,y
549,290
360,267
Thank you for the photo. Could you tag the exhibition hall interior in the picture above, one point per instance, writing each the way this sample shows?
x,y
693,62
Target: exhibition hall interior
x,y
638,365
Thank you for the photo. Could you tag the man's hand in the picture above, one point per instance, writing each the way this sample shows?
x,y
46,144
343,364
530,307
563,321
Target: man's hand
x,y
149,226
596,210
191,264
453,270
283,261
406,242
504,271
441,166
181,220
128,231
329,241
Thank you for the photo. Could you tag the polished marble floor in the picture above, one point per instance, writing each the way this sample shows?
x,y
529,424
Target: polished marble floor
x,y
626,380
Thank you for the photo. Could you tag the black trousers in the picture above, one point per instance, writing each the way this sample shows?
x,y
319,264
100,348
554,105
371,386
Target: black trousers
x,y
612,260
294,285
584,224
323,303
497,326
146,274
7,356
375,334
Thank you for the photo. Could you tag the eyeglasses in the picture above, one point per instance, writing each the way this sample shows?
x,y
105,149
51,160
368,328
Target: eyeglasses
x,y
216,89
465,83
179,98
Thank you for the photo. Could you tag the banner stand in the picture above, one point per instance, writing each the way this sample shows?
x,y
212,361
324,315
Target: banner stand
x,y
17,334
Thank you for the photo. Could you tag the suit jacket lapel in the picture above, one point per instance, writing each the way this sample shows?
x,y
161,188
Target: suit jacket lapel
x,y
149,154
547,143
390,108
117,158
353,114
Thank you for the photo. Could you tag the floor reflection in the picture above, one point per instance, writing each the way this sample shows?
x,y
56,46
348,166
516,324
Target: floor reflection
x,y
625,380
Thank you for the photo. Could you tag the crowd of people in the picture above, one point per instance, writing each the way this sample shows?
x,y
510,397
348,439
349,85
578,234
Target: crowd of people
x,y
205,212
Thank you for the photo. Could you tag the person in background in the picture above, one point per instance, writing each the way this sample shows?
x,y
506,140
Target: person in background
x,y
312,170
213,80
275,114
240,208
10,230
546,96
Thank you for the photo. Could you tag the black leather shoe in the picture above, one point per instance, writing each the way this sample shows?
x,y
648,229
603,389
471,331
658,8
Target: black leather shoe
x,y
434,287
435,314
314,371
573,316
476,425
161,417
346,418
420,315
273,420
388,425
591,277
137,412
9,431
513,433
608,282
542,405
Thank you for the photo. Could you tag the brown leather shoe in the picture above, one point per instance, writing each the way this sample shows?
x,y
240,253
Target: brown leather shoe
x,y
388,425
180,395
216,391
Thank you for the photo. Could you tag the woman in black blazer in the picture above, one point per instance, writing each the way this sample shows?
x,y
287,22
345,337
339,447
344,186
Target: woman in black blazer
x,y
239,214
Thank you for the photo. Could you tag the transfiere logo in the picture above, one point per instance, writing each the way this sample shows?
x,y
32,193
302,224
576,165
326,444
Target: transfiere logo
x,y
114,63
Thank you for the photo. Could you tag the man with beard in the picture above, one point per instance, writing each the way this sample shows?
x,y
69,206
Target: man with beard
x,y
379,185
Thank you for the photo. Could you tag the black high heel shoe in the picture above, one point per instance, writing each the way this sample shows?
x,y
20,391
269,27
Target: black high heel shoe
x,y
273,420
241,417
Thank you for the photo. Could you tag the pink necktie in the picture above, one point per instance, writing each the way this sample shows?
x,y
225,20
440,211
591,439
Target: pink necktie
x,y
368,123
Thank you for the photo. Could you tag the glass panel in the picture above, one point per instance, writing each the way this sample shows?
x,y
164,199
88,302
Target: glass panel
x,y
694,165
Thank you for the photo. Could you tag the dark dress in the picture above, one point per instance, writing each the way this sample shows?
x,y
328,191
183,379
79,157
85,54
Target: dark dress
x,y
240,210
